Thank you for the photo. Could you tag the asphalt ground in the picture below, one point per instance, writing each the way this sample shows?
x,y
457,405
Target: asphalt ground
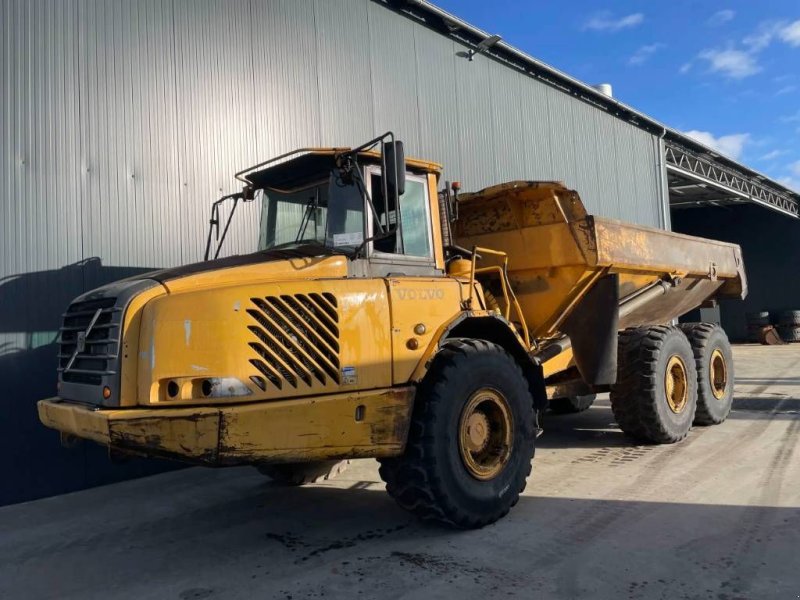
x,y
715,516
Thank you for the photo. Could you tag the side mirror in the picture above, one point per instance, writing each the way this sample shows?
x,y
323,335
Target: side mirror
x,y
395,160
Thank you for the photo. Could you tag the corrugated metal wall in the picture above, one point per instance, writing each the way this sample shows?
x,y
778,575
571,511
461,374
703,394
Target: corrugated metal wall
x,y
123,120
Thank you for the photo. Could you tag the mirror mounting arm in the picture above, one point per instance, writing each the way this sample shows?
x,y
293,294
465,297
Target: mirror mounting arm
x,y
246,195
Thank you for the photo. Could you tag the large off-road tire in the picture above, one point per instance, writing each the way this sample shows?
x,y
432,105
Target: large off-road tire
x,y
471,439
789,318
655,396
713,360
572,404
758,319
789,333
302,473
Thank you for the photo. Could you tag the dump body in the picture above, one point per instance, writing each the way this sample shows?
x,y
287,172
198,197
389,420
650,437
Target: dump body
x,y
557,253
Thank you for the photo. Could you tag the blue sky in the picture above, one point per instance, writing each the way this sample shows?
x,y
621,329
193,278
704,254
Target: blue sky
x,y
727,73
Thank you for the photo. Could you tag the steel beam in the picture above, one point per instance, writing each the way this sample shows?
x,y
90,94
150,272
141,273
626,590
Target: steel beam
x,y
705,170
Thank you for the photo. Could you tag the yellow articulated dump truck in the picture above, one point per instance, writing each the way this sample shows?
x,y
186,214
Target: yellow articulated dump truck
x,y
381,317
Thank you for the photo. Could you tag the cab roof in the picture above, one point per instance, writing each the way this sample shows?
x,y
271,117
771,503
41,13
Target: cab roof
x,y
303,167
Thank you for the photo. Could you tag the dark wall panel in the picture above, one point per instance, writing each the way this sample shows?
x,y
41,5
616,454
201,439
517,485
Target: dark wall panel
x,y
771,249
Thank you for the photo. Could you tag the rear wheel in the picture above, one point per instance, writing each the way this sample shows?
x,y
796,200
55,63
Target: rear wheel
x,y
294,474
714,363
573,404
471,438
655,396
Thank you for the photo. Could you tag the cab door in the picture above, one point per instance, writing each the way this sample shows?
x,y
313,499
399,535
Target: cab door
x,y
421,298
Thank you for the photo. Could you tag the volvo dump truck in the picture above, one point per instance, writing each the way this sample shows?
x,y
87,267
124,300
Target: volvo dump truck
x,y
381,317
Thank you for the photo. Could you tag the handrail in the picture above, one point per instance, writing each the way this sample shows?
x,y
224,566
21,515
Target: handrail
x,y
508,294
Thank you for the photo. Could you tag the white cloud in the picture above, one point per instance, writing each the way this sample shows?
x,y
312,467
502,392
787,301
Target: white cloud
x,y
792,183
735,64
762,36
791,118
730,145
685,68
720,17
791,33
788,89
772,155
738,63
642,54
792,180
603,21
769,31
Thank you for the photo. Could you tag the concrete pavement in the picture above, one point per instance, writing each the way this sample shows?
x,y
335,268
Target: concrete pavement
x,y
716,516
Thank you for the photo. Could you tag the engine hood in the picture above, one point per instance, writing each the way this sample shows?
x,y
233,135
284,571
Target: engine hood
x,y
302,256
126,299
307,262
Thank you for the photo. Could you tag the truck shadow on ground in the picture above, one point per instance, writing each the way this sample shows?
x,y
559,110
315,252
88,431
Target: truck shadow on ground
x,y
200,533
33,463
776,405
592,428
596,427
769,382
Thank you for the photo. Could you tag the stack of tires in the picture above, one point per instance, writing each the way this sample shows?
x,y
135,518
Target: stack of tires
x,y
789,325
756,321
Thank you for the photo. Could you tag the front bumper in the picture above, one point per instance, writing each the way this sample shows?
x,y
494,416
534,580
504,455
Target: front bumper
x,y
357,425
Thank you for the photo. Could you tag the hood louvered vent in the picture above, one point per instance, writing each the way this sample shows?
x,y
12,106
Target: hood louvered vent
x,y
296,339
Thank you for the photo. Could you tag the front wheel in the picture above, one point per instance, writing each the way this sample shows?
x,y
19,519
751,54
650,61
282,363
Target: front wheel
x,y
471,438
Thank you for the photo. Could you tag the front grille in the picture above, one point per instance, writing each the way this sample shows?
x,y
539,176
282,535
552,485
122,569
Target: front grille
x,y
100,347
296,340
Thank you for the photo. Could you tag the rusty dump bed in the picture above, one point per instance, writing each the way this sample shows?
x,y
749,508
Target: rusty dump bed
x,y
557,253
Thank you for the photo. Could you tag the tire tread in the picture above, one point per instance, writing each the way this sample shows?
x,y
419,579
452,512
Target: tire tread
x,y
410,478
633,397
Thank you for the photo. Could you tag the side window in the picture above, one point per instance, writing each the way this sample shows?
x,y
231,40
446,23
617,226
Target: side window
x,y
416,224
387,244
414,219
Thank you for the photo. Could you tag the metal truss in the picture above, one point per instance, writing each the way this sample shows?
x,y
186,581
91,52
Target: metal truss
x,y
739,184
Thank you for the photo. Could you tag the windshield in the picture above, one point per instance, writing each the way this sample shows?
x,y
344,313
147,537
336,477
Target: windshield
x,y
329,212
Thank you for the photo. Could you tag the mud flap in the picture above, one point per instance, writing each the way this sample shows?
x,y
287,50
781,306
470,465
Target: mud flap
x,y
592,328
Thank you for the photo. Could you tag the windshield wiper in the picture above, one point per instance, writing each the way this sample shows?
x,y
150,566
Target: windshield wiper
x,y
311,207
295,247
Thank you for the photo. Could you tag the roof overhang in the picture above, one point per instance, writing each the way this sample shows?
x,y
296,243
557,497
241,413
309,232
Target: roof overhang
x,y
695,180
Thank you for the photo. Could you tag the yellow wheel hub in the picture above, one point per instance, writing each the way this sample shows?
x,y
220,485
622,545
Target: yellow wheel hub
x,y
718,374
676,384
486,433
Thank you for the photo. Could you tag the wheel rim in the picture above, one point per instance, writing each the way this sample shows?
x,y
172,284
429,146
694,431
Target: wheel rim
x,y
676,384
485,434
718,374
